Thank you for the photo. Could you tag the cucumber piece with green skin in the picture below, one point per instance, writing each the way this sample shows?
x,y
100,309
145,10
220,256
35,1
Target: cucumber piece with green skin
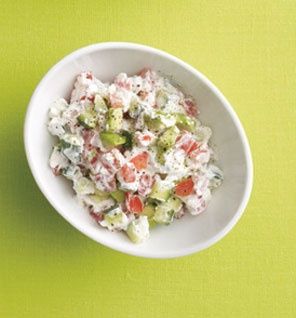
x,y
99,196
160,192
185,122
168,138
112,139
138,230
118,195
84,186
88,119
164,213
69,140
115,117
100,105
149,211
115,219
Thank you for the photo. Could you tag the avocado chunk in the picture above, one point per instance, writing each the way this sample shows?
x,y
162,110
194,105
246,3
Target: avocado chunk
x,y
168,138
118,195
154,124
185,122
112,139
88,119
114,121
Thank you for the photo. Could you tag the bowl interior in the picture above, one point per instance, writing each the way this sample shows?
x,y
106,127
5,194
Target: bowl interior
x,y
186,235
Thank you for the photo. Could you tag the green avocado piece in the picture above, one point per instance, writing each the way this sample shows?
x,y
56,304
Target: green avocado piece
x,y
88,119
118,195
168,138
185,122
115,117
112,139
154,124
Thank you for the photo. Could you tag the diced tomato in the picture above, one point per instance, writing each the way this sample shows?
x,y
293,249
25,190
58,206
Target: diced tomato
x,y
190,146
184,188
190,107
145,184
140,161
128,174
146,137
133,203
187,143
112,160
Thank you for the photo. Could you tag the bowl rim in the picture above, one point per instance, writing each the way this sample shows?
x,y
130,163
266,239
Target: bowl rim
x,y
246,147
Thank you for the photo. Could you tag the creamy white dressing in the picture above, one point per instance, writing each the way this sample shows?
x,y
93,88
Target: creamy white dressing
x,y
150,105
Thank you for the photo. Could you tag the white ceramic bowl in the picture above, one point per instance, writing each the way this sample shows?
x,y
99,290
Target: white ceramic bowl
x,y
187,235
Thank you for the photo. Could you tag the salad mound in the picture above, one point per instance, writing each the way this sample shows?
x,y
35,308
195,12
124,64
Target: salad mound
x,y
134,150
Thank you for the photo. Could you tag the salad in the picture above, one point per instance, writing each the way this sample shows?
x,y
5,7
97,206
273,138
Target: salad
x,y
134,150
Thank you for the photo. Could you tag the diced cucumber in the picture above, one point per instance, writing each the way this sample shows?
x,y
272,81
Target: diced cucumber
x,y
168,138
69,140
185,122
58,160
173,203
160,192
138,230
112,139
72,146
88,119
99,197
149,211
84,186
114,121
163,216
164,213
115,219
118,195
71,172
98,202
100,105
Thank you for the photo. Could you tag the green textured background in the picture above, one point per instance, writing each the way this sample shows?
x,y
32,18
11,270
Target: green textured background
x,y
247,48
